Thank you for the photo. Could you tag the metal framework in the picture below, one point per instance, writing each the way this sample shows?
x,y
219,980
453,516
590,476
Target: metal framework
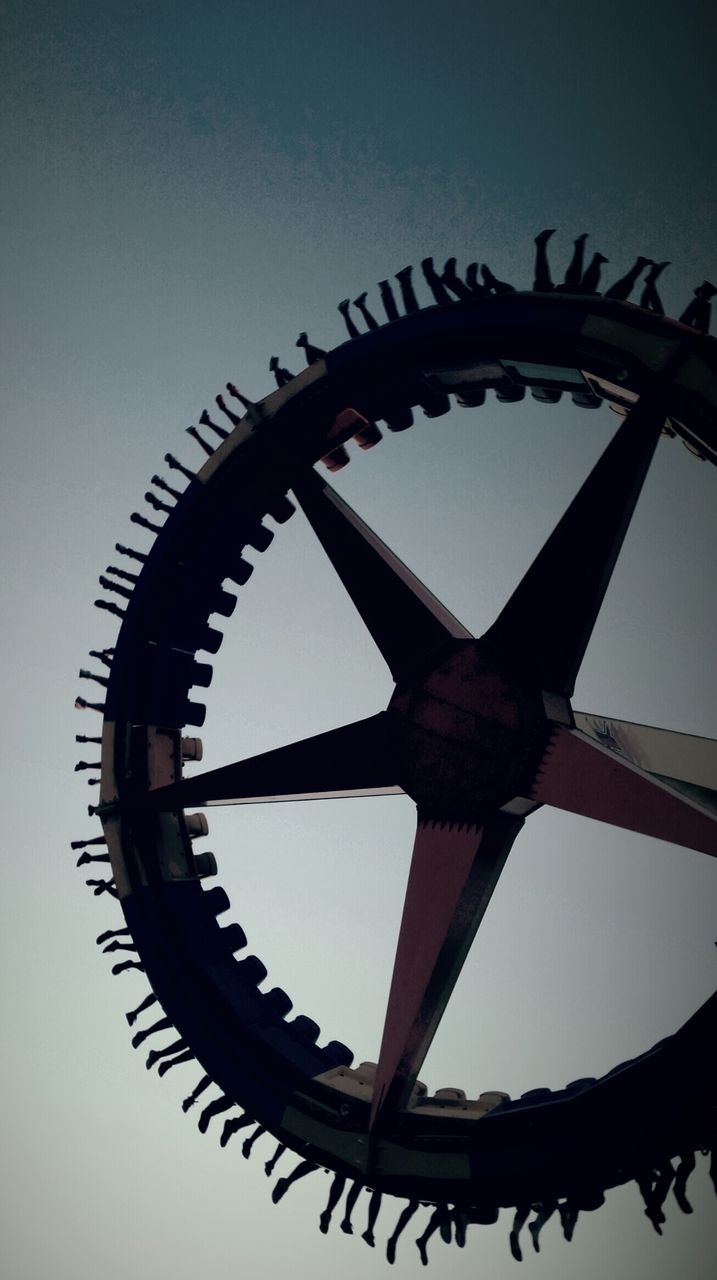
x,y
479,732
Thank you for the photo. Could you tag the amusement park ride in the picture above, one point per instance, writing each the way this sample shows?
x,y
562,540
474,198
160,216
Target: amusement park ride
x,y
478,732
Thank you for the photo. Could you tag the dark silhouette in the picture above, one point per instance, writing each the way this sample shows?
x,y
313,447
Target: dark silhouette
x,y
215,1108
408,296
313,354
439,1219
108,585
234,391
682,1173
136,518
283,1184
82,737
591,279
85,858
569,1214
128,577
543,1213
162,1024
102,886
353,332
494,285
176,465
110,607
435,283
124,965
206,421
186,1056
147,1003
229,413
477,290
248,1143
198,1089
542,280
270,1165
154,1055
388,300
519,1220
157,503
111,933
374,1205
404,1218
654,1188
82,844
360,304
129,551
353,1194
233,1125
451,279
623,287
116,946
192,431
336,1191
699,312
281,376
161,483
574,273
83,764
650,298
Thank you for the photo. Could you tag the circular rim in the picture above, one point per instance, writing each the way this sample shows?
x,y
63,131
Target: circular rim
x,y
526,1151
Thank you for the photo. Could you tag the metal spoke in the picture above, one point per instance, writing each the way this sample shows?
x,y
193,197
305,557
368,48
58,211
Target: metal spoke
x,y
684,761
544,629
454,870
579,774
406,620
357,759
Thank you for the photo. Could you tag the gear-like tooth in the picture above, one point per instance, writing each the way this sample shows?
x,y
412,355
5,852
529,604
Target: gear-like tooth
x,y
129,551
161,483
176,465
206,421
141,520
110,607
229,413
81,704
126,577
157,503
89,675
192,431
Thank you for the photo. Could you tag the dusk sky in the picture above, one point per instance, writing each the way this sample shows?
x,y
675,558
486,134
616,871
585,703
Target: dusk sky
x,y
186,188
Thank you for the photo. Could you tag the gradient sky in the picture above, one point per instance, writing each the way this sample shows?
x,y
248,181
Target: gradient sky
x,y
186,188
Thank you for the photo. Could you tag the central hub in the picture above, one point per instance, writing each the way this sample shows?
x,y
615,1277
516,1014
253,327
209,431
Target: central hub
x,y
468,735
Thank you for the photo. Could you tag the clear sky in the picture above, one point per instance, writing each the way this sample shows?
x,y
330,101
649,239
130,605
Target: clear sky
x,y
185,188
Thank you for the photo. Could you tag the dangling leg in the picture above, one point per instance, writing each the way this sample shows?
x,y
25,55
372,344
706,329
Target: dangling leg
x,y
204,1083
519,1221
374,1205
336,1191
542,282
282,1186
434,1223
270,1165
405,1217
248,1143
353,1195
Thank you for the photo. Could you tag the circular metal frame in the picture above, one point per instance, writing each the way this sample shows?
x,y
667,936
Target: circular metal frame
x,y
574,1142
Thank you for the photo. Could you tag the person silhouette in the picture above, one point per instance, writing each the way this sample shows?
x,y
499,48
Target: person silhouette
x,y
147,1003
494,285
404,1218
198,1089
281,375
591,279
360,304
682,1173
270,1165
650,298
574,273
543,1214
620,291
388,300
699,312
374,1205
233,1125
408,295
343,307
313,354
542,279
336,1191
215,1108
282,1185
248,1143
439,1220
353,1194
